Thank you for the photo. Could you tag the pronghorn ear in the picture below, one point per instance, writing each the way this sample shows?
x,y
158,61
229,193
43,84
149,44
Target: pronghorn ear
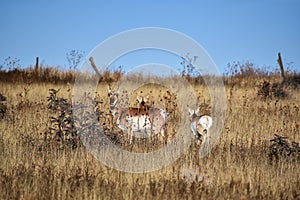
x,y
139,99
197,111
117,90
206,121
191,112
147,98
108,89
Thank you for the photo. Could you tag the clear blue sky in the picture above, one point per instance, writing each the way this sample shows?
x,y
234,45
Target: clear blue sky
x,y
229,30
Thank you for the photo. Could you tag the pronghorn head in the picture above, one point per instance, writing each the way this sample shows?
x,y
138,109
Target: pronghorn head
x,y
193,113
113,97
204,123
141,101
200,123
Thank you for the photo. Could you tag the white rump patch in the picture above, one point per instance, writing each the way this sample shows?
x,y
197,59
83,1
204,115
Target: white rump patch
x,y
206,121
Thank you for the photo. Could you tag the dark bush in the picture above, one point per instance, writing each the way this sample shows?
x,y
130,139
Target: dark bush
x,y
281,148
267,90
292,80
3,106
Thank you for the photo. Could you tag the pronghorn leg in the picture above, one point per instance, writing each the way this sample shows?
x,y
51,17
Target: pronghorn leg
x,y
129,132
204,139
162,132
198,141
149,132
130,139
162,135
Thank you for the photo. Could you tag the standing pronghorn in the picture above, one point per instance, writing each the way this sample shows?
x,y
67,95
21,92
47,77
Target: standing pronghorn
x,y
200,125
157,116
150,120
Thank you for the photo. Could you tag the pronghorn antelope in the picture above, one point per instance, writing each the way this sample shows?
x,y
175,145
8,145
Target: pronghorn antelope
x,y
143,119
200,125
157,116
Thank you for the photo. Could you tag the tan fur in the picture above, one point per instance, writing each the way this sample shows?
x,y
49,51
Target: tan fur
x,y
141,119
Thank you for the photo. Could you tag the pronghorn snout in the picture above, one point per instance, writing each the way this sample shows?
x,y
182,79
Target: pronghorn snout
x,y
205,131
112,105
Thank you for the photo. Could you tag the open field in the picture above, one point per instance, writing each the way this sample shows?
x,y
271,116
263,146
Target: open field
x,y
239,167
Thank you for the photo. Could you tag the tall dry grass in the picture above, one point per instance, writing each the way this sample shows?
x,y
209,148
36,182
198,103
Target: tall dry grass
x,y
239,166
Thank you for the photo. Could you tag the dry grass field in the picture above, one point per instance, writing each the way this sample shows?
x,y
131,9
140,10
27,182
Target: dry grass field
x,y
239,167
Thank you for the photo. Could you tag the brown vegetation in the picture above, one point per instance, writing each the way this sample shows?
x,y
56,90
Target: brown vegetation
x,y
36,164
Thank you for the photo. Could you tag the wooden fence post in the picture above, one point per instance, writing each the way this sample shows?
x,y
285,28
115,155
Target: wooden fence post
x,y
281,66
95,68
36,69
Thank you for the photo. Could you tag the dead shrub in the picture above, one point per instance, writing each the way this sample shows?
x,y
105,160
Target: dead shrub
x,y
3,106
281,148
278,91
62,128
292,81
267,90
